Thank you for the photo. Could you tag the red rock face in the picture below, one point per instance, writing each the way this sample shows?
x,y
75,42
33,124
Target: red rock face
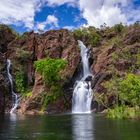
x,y
130,42
52,44
4,86
6,36
23,51
116,59
132,36
103,59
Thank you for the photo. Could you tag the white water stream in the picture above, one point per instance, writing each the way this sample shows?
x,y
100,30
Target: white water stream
x,y
82,94
14,95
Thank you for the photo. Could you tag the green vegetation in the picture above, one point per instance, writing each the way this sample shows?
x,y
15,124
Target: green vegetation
x,y
50,70
115,30
93,36
129,90
118,28
121,92
20,82
22,55
126,92
27,94
123,112
125,55
90,35
54,93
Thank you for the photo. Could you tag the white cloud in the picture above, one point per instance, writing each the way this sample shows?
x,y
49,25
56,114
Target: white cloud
x,y
69,27
41,26
17,12
51,20
22,12
98,12
60,2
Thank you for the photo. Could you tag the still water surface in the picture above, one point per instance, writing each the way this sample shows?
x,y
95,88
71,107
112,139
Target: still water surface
x,y
67,127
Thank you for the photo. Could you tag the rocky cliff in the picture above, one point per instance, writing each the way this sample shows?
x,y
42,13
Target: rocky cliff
x,y
6,36
114,51
117,56
30,47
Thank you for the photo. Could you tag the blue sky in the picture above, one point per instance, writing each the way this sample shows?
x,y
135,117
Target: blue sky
x,y
27,15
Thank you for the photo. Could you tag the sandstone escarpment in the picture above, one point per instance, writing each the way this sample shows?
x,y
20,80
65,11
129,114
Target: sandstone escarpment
x,y
113,52
115,58
31,47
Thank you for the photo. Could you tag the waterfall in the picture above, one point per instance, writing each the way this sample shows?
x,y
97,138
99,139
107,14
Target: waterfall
x,y
82,94
14,95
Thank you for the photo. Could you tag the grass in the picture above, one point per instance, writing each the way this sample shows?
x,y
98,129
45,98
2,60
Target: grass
x,y
124,112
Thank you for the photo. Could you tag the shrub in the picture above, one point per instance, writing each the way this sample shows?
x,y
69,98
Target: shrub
x,y
22,55
129,90
49,69
115,57
123,112
125,55
138,59
78,33
117,112
127,93
20,81
27,94
53,95
118,28
89,35
112,92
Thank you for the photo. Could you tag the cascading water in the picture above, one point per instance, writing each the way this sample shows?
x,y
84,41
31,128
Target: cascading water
x,y
14,95
82,94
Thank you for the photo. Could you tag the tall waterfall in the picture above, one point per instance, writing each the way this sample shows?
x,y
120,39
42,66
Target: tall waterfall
x,y
82,94
14,95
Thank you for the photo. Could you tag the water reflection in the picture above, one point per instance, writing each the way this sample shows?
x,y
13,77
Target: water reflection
x,y
83,127
67,127
13,117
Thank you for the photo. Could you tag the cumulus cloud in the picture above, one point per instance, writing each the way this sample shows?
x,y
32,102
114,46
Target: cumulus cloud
x,y
40,26
17,12
61,2
95,12
51,20
69,27
98,12
22,12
